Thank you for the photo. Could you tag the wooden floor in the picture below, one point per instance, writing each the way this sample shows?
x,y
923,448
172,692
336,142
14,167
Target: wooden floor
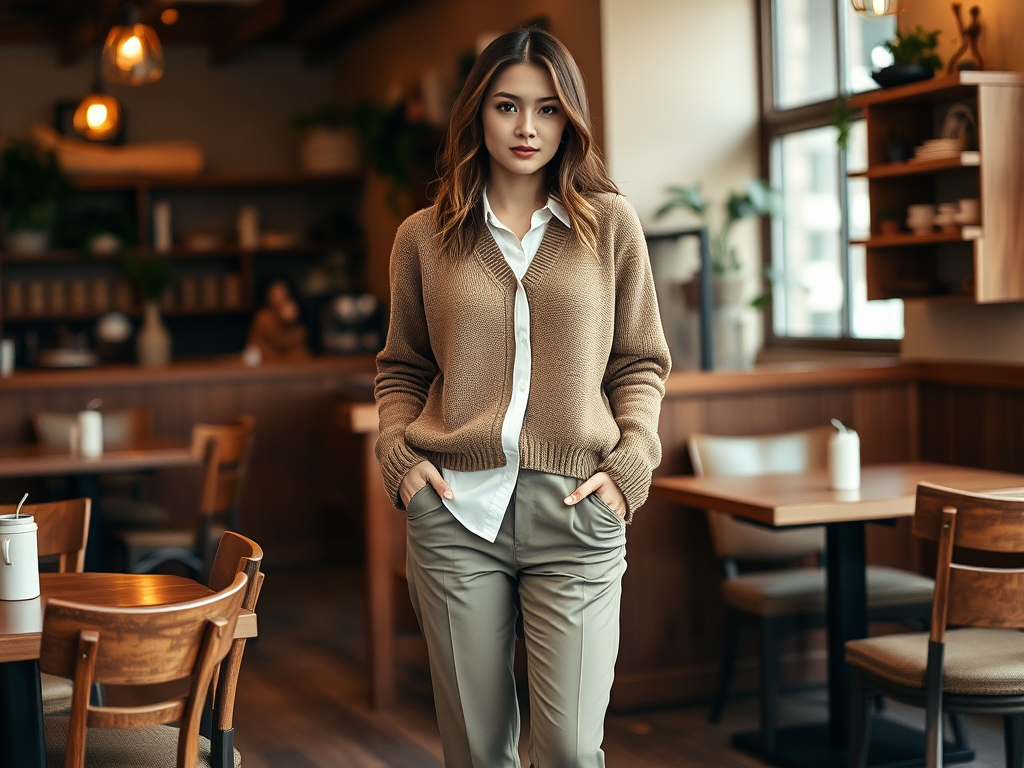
x,y
302,698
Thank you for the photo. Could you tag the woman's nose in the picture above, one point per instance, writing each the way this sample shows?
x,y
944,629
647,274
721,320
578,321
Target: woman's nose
x,y
525,127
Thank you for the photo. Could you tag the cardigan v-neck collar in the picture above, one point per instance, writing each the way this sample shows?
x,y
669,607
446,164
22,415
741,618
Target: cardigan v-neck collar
x,y
490,255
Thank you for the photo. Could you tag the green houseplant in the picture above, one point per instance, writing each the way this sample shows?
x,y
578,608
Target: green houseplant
x,y
756,200
32,185
914,58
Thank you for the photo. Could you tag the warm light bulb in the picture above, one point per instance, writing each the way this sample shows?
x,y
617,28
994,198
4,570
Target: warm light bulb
x,y
129,53
169,16
880,7
96,115
876,9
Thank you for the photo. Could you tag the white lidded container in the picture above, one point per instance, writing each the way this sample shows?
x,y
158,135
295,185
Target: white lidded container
x,y
844,459
19,558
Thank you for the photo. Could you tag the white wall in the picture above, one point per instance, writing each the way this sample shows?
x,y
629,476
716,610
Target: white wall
x,y
680,106
239,113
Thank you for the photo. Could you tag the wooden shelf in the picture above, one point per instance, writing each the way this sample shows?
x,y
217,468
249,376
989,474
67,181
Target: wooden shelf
x,y
71,255
915,167
909,239
70,317
218,181
953,87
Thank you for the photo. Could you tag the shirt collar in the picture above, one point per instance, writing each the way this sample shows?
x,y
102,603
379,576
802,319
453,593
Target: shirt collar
x,y
556,208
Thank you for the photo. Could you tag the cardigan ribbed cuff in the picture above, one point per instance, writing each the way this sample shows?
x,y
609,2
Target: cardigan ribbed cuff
x,y
398,461
633,476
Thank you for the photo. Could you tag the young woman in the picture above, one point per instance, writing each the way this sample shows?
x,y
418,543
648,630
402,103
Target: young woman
x,y
519,393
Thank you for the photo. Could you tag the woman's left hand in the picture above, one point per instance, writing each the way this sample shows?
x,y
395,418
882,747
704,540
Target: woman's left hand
x,y
606,489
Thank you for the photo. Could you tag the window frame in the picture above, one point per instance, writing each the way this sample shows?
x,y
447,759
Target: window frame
x,y
775,123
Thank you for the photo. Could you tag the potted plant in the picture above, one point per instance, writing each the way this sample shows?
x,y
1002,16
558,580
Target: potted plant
x,y
330,143
32,185
913,58
153,277
889,221
396,142
758,199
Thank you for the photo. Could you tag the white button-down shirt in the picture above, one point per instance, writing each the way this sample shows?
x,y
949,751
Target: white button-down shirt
x,y
482,497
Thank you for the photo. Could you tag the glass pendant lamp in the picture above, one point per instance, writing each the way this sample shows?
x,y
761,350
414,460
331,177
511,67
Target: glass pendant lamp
x,y
875,9
98,116
132,54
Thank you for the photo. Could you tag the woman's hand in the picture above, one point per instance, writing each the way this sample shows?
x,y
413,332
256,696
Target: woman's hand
x,y
605,488
417,477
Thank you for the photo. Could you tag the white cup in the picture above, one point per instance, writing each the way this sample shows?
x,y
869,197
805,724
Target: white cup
x,y
844,461
90,433
19,558
6,357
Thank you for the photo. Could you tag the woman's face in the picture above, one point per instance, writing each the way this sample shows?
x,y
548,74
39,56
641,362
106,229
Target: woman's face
x,y
523,120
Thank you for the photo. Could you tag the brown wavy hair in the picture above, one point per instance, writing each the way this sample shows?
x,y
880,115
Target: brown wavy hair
x,y
573,175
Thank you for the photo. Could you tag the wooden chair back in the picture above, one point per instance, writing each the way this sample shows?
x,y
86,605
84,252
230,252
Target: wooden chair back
x,y
224,450
967,595
136,647
121,427
235,554
785,453
63,530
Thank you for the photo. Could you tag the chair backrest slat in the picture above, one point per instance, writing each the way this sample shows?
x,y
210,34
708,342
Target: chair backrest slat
x,y
986,522
784,453
63,530
224,449
985,597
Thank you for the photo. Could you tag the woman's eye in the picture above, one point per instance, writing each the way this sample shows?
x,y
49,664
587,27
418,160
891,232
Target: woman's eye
x,y
548,110
506,106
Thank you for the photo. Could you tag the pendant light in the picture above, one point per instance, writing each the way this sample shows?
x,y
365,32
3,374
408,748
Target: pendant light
x,y
876,9
98,116
132,54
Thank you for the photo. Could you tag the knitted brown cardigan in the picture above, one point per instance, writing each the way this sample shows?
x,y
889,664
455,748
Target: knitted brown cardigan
x,y
599,355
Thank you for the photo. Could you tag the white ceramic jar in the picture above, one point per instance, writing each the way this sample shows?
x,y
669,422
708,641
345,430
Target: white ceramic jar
x,y
844,461
19,558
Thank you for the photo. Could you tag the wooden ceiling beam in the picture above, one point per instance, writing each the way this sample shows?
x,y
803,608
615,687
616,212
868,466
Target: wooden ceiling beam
x,y
243,27
77,35
342,21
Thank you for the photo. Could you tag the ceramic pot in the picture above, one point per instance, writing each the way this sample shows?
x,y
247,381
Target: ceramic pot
x,y
901,74
27,242
728,290
153,341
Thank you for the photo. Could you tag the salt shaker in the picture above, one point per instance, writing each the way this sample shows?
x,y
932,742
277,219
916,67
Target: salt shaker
x,y
843,458
90,433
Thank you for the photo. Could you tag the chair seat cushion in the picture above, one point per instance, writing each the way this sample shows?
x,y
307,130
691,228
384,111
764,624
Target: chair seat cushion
x,y
802,590
153,747
979,662
57,692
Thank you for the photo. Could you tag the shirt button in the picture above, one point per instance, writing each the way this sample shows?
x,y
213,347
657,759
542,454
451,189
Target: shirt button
x,y
522,386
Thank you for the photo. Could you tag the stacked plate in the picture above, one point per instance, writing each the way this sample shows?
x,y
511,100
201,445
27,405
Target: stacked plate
x,y
938,149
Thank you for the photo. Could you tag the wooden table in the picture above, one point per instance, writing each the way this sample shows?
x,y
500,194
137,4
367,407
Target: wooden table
x,y
21,623
51,461
887,491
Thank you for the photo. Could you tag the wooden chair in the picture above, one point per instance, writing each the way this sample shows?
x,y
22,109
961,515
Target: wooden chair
x,y
978,667
782,602
63,533
235,554
224,450
136,647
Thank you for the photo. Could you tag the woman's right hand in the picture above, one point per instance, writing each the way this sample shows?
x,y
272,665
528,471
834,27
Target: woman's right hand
x,y
419,476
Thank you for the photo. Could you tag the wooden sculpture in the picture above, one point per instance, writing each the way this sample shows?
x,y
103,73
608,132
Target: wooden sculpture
x,y
968,39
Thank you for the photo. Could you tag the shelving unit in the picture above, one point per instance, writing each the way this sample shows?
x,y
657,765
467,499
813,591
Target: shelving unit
x,y
983,264
287,202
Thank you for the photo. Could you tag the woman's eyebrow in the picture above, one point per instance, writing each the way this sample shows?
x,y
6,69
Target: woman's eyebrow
x,y
513,97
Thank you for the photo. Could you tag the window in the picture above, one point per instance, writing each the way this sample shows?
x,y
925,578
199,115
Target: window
x,y
813,51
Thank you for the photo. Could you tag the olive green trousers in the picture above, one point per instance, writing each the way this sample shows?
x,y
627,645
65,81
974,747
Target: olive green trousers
x,y
563,565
